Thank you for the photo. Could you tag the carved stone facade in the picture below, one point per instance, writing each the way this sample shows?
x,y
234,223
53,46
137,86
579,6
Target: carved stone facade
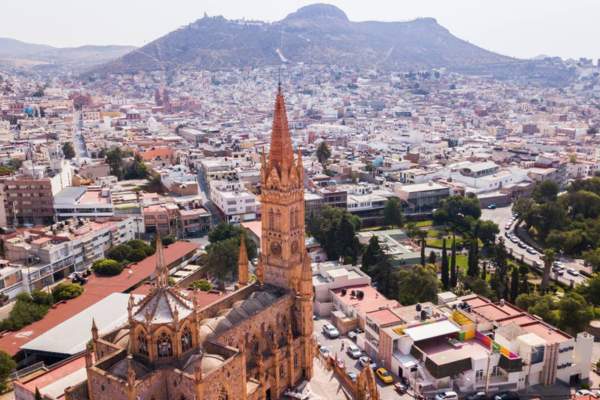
x,y
252,344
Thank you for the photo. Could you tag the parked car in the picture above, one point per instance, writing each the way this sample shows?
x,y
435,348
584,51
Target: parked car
x,y
364,361
353,351
477,396
572,271
330,331
325,351
583,392
507,396
352,375
400,387
300,395
384,375
492,206
449,395
352,335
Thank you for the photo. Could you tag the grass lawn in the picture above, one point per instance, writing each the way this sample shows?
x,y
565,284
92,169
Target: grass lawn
x,y
437,243
424,224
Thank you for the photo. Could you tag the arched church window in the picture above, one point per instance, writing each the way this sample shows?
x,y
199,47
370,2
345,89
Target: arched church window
x,y
142,343
223,394
186,339
277,220
164,346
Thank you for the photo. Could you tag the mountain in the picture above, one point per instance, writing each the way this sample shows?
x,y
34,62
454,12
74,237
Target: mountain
x,y
15,52
320,34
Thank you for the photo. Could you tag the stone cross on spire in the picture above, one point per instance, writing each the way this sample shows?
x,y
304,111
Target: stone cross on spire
x,y
162,272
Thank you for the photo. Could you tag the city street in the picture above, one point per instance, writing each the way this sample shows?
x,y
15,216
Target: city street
x,y
501,216
351,364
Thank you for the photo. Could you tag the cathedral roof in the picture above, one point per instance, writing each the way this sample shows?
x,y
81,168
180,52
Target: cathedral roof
x,y
163,304
208,362
241,310
119,369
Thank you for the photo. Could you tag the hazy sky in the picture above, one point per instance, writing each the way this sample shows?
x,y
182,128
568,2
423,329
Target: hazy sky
x,y
521,28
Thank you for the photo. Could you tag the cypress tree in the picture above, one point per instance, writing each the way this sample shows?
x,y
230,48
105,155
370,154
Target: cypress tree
x,y
514,284
423,251
445,271
453,271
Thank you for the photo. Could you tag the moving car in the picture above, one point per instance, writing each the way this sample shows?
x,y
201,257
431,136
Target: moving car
x,y
449,395
492,206
330,331
364,361
353,351
384,375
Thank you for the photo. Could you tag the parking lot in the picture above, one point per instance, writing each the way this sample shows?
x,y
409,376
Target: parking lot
x,y
352,364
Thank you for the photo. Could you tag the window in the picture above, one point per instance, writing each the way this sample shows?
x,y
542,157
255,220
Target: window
x,y
164,345
142,344
186,339
479,374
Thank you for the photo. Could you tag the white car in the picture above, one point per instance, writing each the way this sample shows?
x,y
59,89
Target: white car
x,y
330,331
325,351
583,392
450,395
572,271
352,335
353,351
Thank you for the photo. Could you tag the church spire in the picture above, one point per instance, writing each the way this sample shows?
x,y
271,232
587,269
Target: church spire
x,y
281,153
243,262
162,272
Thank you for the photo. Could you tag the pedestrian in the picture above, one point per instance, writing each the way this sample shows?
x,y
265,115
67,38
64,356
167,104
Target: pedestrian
x,y
343,343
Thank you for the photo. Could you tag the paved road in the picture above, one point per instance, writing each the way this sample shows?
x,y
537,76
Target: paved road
x,y
78,139
335,346
502,216
206,202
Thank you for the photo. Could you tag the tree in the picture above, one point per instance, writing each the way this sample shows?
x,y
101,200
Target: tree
x,y
114,159
548,258
107,267
392,213
168,240
453,271
136,255
225,231
545,192
25,311
486,231
222,258
458,212
66,291
473,259
477,285
445,267
523,207
414,285
514,284
423,252
524,277
432,257
484,271
382,276
336,233
592,257
323,153
68,150
136,169
7,365
372,253
575,313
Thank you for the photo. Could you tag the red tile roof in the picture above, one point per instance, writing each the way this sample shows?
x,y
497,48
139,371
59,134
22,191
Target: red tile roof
x,y
96,289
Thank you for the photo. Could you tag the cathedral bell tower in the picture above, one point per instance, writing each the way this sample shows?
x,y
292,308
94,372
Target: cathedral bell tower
x,y
282,176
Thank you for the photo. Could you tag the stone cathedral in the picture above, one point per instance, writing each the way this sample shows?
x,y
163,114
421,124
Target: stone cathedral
x,y
251,344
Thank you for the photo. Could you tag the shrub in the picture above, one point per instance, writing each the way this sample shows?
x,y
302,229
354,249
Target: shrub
x,y
66,291
137,255
201,284
41,297
25,311
7,365
119,253
167,240
107,267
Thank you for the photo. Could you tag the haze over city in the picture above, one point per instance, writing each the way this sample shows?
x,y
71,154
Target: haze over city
x,y
516,28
